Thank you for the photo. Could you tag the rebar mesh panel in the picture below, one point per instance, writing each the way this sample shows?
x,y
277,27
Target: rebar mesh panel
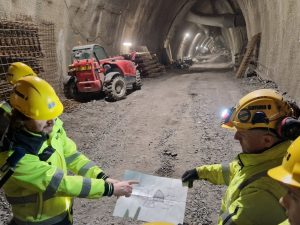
x,y
49,60
23,40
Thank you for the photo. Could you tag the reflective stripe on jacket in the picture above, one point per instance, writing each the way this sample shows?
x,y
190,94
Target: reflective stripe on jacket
x,y
42,191
251,197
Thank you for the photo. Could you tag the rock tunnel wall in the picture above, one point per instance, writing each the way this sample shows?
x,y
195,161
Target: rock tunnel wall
x,y
152,22
279,54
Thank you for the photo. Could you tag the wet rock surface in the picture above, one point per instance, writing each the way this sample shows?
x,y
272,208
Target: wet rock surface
x,y
171,125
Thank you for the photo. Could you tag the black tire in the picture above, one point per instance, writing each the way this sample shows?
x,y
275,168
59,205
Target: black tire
x,y
138,81
116,88
70,90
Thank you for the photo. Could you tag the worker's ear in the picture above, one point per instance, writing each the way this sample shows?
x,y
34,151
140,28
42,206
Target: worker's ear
x,y
269,140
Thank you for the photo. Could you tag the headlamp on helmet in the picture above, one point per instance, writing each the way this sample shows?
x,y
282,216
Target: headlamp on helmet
x,y
226,115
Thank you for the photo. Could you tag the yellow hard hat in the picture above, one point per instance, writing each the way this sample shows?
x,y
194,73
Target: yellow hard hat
x,y
289,171
36,99
262,108
17,70
158,223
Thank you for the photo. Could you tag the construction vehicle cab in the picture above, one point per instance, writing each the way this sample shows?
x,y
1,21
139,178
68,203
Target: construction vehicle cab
x,y
93,71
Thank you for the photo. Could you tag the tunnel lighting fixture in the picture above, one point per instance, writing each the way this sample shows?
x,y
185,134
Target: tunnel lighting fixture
x,y
127,44
197,47
187,35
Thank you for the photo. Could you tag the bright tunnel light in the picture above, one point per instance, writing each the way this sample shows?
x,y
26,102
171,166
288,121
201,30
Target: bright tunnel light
x,y
127,44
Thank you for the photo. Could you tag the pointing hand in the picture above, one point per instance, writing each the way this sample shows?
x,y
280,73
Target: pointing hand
x,y
124,188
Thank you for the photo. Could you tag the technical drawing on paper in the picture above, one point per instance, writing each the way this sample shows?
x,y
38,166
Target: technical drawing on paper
x,y
153,199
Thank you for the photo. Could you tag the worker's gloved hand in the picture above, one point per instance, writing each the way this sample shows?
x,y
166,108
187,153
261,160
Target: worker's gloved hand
x,y
124,188
190,175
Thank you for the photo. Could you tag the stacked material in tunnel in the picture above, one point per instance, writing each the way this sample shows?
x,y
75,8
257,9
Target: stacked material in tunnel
x,y
147,63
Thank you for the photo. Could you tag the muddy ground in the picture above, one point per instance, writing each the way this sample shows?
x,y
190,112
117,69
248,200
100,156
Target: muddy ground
x,y
171,125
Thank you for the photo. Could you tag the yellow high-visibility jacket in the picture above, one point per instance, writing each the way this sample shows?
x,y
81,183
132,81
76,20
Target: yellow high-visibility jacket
x,y
286,222
251,197
42,191
5,106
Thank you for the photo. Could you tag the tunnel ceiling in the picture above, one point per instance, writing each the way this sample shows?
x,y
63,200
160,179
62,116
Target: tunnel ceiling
x,y
174,29
160,25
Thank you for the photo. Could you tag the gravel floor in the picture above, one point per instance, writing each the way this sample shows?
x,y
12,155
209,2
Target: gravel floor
x,y
171,125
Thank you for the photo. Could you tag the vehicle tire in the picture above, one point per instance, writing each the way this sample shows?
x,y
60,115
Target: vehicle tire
x,y
116,88
70,90
114,69
138,81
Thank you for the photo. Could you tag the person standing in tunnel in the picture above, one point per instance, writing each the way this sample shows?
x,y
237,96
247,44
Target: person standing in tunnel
x,y
16,71
40,190
288,174
251,196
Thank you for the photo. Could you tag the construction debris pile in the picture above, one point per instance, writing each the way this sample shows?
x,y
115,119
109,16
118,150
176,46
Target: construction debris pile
x,y
148,64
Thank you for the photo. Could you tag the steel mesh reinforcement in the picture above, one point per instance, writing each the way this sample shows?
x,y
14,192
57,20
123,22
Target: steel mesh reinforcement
x,y
32,42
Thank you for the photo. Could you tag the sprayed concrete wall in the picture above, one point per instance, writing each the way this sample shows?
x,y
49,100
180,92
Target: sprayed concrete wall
x,y
279,55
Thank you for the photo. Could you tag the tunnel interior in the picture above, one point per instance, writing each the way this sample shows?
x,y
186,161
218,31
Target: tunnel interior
x,y
202,32
196,51
207,33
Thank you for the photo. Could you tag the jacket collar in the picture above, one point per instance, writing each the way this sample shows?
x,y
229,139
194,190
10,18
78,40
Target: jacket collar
x,y
31,142
56,128
275,152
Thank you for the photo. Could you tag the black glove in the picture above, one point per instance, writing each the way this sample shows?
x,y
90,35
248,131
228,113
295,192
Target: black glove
x,y
190,175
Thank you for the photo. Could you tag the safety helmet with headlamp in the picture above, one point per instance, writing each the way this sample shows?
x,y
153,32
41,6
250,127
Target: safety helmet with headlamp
x,y
262,108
